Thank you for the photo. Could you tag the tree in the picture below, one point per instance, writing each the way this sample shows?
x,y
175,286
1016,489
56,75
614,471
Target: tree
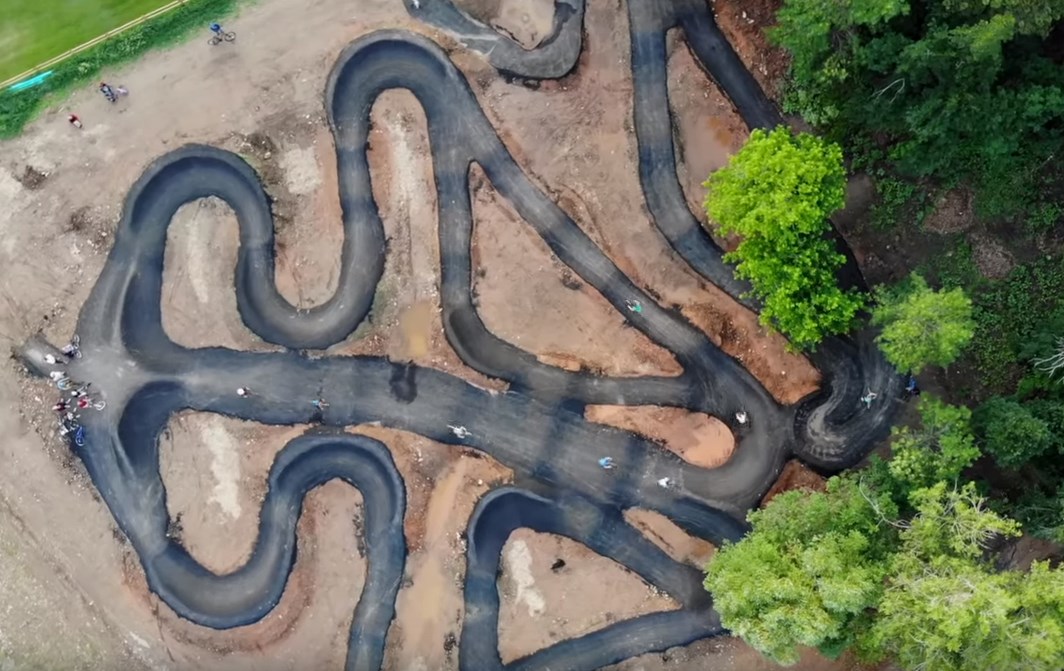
x,y
807,572
944,608
938,450
961,90
922,327
1011,433
1052,362
1041,511
776,194
831,570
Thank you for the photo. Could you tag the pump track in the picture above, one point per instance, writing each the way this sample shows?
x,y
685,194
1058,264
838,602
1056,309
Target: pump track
x,y
536,427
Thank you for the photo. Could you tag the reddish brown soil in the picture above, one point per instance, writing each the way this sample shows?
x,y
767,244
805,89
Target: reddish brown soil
x,y
744,23
695,437
795,475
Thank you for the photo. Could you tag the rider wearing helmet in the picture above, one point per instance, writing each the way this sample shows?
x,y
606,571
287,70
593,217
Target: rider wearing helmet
x,y
216,28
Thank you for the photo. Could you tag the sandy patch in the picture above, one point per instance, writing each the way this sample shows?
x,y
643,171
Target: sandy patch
x,y
695,437
198,297
557,589
526,296
795,475
677,543
301,172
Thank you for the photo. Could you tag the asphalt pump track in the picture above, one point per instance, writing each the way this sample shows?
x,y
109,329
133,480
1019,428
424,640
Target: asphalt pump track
x,y
536,427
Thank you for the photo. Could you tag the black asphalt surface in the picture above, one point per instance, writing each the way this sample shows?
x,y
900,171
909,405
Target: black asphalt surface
x,y
536,428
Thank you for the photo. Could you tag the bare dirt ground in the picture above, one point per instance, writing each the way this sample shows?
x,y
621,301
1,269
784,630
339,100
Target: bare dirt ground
x,y
695,437
552,588
64,566
795,475
745,24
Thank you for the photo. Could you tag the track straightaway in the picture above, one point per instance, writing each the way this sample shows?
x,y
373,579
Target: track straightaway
x,y
536,428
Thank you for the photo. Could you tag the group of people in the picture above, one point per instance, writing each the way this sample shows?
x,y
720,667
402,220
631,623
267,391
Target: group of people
x,y
112,93
75,396
912,390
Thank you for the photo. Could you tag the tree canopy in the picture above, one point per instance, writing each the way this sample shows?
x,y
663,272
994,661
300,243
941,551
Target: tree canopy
x,y
921,326
1011,433
776,194
840,569
813,564
946,609
937,450
958,90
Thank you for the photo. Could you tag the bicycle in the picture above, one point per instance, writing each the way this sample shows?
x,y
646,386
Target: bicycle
x,y
95,405
73,348
223,36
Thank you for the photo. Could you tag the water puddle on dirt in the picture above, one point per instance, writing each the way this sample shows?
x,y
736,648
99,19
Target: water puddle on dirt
x,y
415,328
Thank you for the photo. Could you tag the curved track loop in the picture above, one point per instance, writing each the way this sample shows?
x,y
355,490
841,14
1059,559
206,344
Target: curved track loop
x,y
536,428
604,531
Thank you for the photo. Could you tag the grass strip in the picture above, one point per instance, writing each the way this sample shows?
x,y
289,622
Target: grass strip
x,y
18,108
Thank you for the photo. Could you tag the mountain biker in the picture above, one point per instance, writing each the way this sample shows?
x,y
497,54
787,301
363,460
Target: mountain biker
x,y
108,92
217,29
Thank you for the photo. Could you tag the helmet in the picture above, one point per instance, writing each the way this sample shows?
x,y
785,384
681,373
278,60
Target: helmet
x,y
215,26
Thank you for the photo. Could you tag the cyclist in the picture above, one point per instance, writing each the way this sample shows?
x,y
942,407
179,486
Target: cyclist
x,y
216,28
868,398
912,388
108,92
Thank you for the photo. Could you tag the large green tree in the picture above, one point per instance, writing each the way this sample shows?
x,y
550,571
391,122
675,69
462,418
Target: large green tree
x,y
813,564
776,194
921,326
956,89
1011,433
945,608
843,569
936,450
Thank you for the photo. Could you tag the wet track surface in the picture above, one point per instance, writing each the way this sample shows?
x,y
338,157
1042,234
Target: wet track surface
x,y
536,427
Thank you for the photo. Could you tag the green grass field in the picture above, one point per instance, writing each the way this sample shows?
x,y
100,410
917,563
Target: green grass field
x,y
33,32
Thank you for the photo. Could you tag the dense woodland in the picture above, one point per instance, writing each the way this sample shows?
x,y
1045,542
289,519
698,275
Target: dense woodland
x,y
911,556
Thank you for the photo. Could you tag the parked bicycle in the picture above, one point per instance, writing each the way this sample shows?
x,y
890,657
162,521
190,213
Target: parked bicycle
x,y
73,348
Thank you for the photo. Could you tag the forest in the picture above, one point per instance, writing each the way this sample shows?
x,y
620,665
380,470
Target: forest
x,y
941,551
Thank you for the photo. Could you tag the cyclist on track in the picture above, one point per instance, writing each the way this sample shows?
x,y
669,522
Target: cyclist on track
x,y
216,28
